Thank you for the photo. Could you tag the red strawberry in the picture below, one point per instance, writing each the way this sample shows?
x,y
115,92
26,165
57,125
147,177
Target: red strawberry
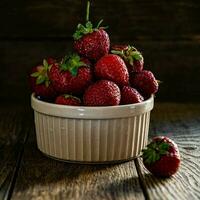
x,y
73,75
102,93
68,100
144,82
162,157
132,57
51,61
39,80
91,42
112,67
130,95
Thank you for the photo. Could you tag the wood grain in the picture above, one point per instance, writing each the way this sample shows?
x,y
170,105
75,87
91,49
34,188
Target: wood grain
x,y
181,123
136,19
43,178
12,139
167,33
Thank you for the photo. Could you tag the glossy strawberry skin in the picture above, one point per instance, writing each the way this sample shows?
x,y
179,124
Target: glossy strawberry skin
x,y
130,95
45,92
65,82
102,93
168,164
67,100
51,60
144,82
93,45
136,66
112,67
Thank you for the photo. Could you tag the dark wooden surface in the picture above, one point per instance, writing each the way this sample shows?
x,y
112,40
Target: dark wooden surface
x,y
14,128
25,173
167,33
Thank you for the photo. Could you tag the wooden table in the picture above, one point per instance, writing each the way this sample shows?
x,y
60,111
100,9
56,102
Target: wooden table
x,y
25,173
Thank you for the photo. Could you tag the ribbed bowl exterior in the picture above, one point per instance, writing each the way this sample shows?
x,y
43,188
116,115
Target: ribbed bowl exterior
x,y
91,140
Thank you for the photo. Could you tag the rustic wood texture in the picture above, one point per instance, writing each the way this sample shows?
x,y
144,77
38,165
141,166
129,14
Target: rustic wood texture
x,y
181,123
40,177
12,139
44,178
130,19
167,33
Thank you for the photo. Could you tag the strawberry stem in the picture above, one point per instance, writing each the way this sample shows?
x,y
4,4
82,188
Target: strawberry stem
x,y
88,11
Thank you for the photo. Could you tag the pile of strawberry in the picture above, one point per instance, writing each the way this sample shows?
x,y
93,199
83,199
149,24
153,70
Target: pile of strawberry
x,y
95,74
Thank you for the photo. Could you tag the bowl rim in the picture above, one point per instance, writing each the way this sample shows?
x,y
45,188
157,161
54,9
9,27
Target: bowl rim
x,y
89,112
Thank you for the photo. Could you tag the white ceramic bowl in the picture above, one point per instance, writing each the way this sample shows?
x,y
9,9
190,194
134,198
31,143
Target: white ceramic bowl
x,y
92,134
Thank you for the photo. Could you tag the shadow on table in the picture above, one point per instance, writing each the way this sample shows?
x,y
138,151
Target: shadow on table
x,y
37,169
125,188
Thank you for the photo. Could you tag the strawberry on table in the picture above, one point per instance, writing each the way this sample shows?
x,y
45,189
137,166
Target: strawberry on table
x,y
112,67
161,157
73,75
91,42
67,99
144,82
102,93
40,82
130,95
132,57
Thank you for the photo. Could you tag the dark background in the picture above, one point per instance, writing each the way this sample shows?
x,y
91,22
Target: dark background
x,y
167,33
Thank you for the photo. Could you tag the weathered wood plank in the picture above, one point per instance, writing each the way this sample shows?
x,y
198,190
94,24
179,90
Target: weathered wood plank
x,y
181,123
174,63
43,178
12,139
127,19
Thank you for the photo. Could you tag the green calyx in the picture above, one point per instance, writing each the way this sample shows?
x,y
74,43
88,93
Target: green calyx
x,y
41,74
71,63
154,151
82,30
130,54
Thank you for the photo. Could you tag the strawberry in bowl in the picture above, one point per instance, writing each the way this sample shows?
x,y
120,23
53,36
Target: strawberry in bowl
x,y
39,80
112,67
102,100
102,93
132,57
72,75
91,42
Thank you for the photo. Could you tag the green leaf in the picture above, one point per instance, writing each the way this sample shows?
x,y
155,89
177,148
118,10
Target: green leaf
x,y
163,152
89,25
40,79
76,36
72,63
47,82
63,66
117,52
35,74
50,67
164,146
81,64
137,56
131,61
45,64
99,23
74,71
82,30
